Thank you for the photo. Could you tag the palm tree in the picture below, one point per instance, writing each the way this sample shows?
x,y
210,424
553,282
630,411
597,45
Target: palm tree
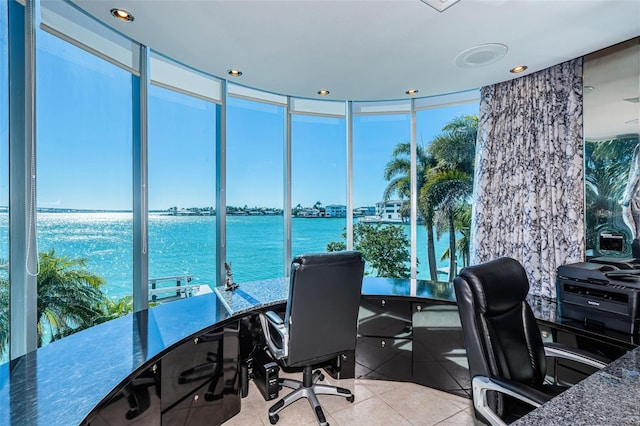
x,y
449,184
69,296
112,309
398,173
448,190
462,224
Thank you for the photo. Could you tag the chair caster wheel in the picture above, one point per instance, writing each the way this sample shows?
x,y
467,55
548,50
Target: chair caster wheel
x,y
274,419
351,398
321,378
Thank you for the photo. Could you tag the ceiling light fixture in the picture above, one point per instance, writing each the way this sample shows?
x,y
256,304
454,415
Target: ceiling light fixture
x,y
323,92
411,91
234,73
587,89
481,55
518,69
122,15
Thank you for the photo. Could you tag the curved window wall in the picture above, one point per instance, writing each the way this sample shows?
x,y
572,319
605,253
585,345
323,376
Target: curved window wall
x,y
382,183
318,177
182,189
4,184
84,175
439,127
255,182
272,157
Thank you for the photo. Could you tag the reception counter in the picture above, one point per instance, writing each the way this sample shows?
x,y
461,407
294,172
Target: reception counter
x,y
70,381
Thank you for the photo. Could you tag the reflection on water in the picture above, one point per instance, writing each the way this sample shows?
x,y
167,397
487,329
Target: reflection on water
x,y
180,245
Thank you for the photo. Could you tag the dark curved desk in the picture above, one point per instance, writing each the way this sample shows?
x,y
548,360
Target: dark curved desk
x,y
68,381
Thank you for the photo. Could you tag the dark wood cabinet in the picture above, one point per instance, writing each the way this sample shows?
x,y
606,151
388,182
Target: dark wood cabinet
x,y
439,357
384,317
420,340
384,345
136,403
197,382
409,340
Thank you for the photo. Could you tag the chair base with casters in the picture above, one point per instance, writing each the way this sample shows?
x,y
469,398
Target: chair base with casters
x,y
308,388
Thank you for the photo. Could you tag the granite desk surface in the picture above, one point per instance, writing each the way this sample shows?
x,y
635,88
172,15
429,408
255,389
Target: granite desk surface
x,y
608,397
61,383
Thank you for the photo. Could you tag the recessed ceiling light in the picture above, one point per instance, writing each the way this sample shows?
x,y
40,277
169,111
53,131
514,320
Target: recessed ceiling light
x,y
122,15
411,91
234,73
518,69
481,55
323,92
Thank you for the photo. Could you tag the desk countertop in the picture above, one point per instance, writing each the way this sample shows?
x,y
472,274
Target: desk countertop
x,y
61,383
262,294
607,397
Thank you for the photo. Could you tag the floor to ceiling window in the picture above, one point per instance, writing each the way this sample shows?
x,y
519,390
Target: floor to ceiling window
x,y
445,136
84,175
181,164
4,185
381,183
254,193
318,180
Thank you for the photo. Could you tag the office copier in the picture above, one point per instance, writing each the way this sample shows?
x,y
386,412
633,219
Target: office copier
x,y
601,293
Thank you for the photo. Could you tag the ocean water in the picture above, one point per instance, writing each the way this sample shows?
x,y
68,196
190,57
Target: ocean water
x,y
181,245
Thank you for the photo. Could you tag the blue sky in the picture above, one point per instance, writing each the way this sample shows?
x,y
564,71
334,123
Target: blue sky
x,y
84,143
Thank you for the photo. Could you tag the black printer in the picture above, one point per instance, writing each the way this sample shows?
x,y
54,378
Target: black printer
x,y
601,293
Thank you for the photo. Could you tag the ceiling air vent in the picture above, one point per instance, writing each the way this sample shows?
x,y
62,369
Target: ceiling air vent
x,y
440,5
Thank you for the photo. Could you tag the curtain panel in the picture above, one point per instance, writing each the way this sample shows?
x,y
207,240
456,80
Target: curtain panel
x,y
528,184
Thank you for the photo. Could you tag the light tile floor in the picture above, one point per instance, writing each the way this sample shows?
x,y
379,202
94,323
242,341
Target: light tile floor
x,y
377,402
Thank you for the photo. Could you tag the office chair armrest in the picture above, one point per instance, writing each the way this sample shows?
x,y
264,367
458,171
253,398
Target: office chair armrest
x,y
558,350
481,384
274,318
273,327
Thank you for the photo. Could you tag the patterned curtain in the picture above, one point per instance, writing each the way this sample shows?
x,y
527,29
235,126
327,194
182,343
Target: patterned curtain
x,y
528,185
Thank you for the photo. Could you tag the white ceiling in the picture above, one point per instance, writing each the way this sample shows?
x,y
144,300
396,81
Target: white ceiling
x,y
370,50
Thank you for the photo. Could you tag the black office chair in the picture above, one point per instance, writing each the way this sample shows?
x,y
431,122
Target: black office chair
x,y
504,346
320,323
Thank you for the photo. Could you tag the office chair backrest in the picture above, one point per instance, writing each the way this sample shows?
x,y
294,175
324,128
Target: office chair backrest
x,y
322,310
501,335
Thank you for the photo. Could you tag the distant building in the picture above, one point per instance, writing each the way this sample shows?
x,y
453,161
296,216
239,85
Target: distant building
x,y
308,213
364,211
335,210
389,210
